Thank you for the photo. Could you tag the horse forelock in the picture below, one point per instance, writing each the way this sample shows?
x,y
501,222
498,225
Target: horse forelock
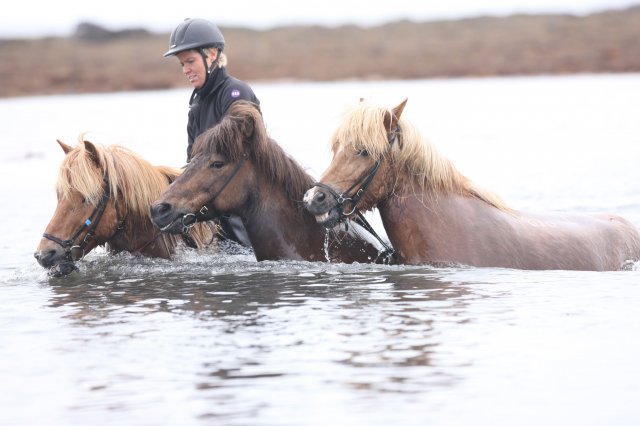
x,y
134,179
412,157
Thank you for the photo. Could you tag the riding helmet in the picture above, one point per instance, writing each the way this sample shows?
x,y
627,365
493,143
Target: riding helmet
x,y
194,34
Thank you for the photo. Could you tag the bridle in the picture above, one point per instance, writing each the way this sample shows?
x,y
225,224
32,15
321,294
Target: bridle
x,y
362,183
190,219
89,225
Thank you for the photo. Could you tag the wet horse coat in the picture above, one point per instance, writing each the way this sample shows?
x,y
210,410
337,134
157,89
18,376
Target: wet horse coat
x,y
237,169
104,194
434,215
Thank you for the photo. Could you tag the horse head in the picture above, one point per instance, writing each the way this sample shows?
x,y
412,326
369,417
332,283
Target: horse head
x,y
360,174
87,213
220,176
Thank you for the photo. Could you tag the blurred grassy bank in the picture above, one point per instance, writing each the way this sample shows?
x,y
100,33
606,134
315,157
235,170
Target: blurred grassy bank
x,y
95,59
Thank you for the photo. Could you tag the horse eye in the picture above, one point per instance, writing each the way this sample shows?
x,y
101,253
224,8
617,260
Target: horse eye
x,y
363,152
216,165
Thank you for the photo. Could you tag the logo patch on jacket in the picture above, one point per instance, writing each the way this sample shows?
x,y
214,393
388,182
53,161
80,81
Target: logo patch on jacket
x,y
235,93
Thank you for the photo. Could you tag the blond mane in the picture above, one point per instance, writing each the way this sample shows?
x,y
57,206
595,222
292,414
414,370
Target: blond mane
x,y
137,181
363,129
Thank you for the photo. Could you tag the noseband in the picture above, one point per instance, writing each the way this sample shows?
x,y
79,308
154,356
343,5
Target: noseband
x,y
90,225
186,226
363,183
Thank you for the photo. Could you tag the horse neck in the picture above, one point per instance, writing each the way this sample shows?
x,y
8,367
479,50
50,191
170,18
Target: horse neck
x,y
276,229
411,219
140,236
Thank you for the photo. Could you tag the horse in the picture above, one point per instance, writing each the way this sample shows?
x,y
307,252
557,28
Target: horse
x,y
435,215
104,194
237,169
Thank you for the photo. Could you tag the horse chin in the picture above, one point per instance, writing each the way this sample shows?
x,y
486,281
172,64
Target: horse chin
x,y
175,227
62,269
328,219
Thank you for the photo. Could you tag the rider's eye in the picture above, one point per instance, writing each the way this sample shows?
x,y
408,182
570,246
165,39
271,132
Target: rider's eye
x,y
363,152
216,165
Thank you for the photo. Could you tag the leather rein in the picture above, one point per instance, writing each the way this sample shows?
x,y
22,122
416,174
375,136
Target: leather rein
x,y
362,183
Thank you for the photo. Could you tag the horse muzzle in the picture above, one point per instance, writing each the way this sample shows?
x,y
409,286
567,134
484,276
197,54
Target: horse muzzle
x,y
171,220
57,262
323,206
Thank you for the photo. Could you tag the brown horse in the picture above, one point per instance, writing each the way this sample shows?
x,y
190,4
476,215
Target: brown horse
x,y
435,215
104,194
237,169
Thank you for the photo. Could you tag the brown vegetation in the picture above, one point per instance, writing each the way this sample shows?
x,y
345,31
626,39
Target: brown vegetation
x,y
98,60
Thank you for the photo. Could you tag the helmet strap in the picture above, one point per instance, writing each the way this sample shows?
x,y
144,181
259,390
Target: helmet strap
x,y
209,69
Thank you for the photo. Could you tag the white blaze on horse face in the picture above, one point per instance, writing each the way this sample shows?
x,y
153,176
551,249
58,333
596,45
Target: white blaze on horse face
x,y
308,196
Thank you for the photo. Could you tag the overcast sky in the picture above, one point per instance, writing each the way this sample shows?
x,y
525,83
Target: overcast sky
x,y
41,18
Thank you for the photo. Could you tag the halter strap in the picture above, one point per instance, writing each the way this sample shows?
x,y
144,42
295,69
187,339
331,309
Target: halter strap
x,y
204,209
363,181
90,225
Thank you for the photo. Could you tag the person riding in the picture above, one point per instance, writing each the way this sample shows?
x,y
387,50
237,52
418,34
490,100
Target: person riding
x,y
198,45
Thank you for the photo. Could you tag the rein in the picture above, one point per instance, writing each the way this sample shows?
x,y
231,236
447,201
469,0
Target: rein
x,y
363,182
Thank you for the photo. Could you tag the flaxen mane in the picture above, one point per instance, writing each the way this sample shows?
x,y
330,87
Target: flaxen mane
x,y
242,132
138,182
363,129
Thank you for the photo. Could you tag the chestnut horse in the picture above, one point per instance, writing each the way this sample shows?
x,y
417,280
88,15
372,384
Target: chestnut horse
x,y
104,194
434,215
237,169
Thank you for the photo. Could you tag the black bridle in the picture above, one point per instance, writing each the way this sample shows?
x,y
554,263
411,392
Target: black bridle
x,y
90,225
190,219
362,183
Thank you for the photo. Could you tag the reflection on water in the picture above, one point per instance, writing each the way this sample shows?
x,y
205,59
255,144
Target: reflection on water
x,y
267,328
234,341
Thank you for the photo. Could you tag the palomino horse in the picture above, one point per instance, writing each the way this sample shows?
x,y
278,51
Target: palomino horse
x,y
237,169
104,194
435,215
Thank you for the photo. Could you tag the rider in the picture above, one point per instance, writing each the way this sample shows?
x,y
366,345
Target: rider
x,y
198,44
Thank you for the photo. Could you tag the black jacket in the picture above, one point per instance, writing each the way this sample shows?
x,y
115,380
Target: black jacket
x,y
210,104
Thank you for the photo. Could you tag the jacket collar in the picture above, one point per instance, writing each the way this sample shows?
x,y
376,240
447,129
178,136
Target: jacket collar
x,y
214,80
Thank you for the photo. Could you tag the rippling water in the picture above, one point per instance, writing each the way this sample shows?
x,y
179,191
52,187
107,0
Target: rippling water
x,y
217,338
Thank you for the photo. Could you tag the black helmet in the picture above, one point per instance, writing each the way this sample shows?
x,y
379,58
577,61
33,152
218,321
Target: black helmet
x,y
194,34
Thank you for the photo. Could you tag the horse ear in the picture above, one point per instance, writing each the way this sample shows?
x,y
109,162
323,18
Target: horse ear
x,y
397,111
66,148
92,151
391,120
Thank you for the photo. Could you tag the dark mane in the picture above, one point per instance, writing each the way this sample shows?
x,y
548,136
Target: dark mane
x,y
241,132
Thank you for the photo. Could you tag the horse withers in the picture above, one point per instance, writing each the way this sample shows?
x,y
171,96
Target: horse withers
x,y
237,169
104,194
435,215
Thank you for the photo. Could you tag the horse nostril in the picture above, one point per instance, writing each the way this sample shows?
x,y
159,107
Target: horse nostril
x,y
320,197
161,209
44,258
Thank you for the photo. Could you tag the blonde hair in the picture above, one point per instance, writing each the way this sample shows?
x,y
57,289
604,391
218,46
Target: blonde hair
x,y
222,58
363,128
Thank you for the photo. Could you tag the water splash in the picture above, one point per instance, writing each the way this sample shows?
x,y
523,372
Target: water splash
x,y
326,246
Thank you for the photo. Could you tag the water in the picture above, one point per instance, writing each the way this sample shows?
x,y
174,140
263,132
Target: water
x,y
224,340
